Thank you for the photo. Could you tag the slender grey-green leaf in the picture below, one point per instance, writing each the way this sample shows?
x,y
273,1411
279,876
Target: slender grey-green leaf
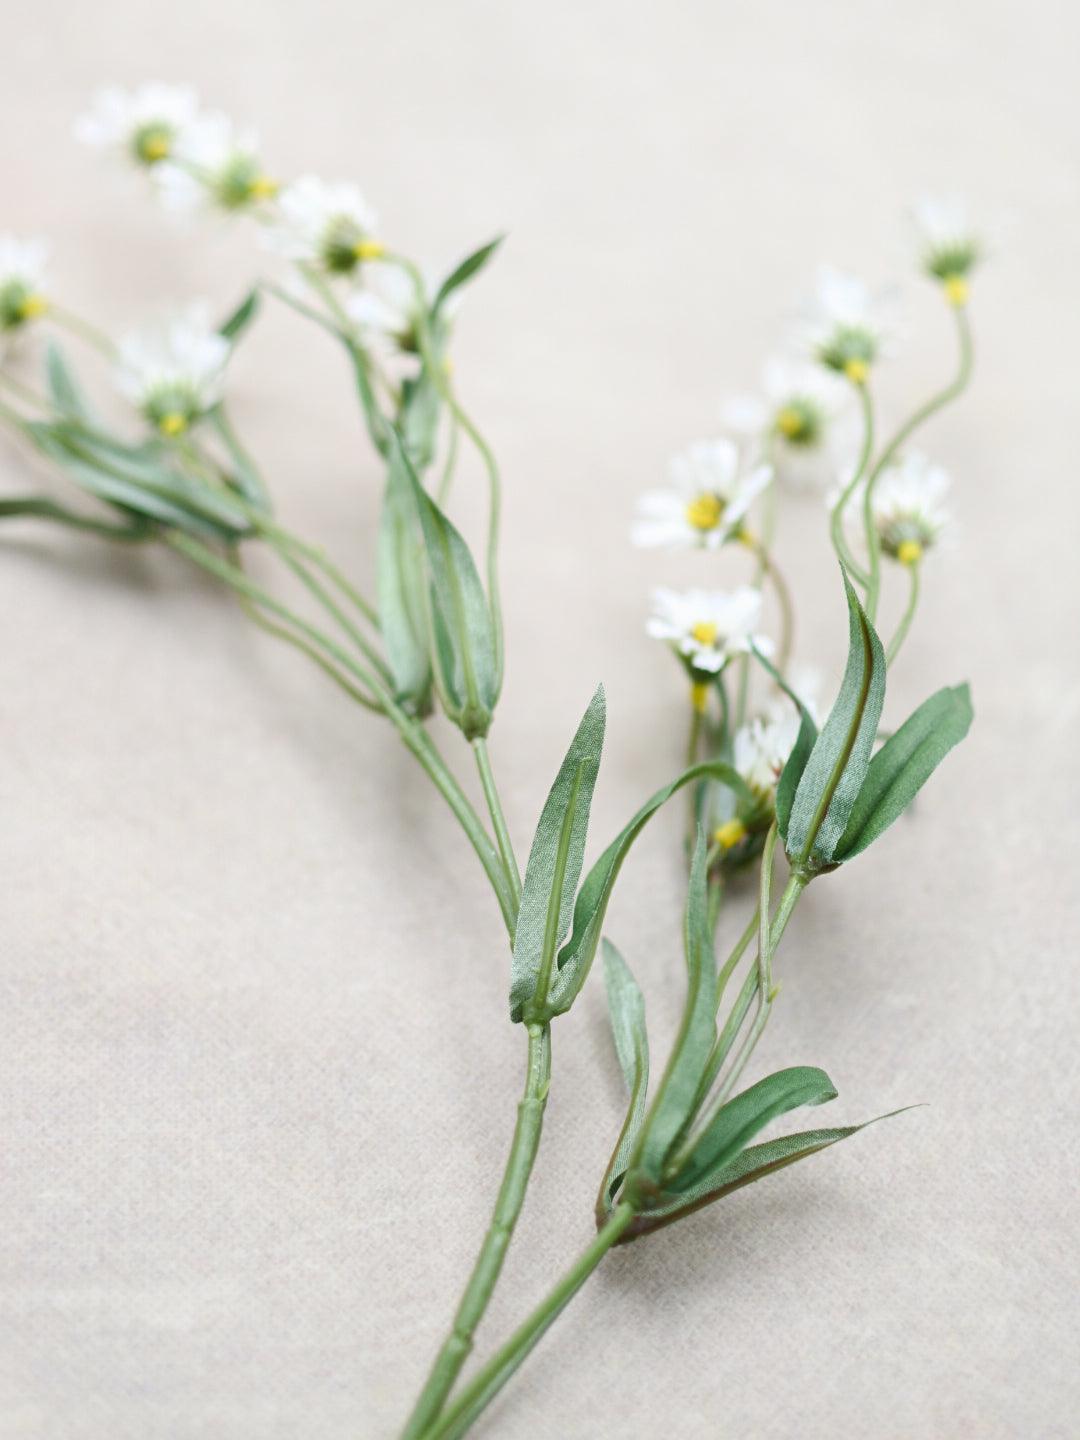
x,y
749,1166
677,1096
245,474
554,867
419,418
735,1124
464,272
576,956
626,1007
401,581
837,765
465,635
800,751
64,391
241,317
903,765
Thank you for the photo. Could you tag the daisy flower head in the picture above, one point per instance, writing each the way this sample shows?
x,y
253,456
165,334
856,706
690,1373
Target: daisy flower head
x,y
22,280
174,372
710,491
143,125
846,327
707,628
762,747
213,164
947,246
797,416
329,225
908,507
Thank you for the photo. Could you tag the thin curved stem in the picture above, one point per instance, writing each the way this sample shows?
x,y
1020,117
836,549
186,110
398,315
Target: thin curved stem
x,y
836,520
498,818
83,329
904,626
485,1274
44,509
506,1360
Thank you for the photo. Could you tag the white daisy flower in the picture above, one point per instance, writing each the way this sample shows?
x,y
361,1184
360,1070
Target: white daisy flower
x,y
143,124
710,492
328,225
708,627
846,327
802,417
22,281
907,507
213,164
948,247
762,748
174,372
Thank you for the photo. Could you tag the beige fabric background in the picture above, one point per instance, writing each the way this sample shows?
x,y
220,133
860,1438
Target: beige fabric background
x,y
257,1082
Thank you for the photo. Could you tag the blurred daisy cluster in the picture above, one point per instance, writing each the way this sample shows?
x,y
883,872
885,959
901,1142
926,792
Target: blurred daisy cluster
x,y
808,429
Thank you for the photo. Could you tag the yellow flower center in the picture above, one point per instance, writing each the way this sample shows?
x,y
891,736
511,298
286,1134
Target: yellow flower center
x,y
956,290
704,511
32,306
369,249
173,423
263,188
856,371
699,696
789,422
909,552
155,147
704,632
729,834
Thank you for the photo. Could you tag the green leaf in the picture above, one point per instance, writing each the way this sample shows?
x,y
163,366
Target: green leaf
x,y
241,317
736,1123
800,751
837,765
576,956
419,418
678,1095
245,474
400,582
555,860
626,1007
462,623
464,272
64,391
751,1165
903,765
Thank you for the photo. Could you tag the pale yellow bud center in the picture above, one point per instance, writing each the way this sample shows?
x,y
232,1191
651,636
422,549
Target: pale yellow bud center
x,y
789,422
704,632
729,834
155,147
173,423
909,552
263,188
956,290
369,249
856,371
704,511
33,306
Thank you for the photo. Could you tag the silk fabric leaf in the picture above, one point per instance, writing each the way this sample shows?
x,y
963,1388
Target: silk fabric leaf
x,y
626,1008
400,585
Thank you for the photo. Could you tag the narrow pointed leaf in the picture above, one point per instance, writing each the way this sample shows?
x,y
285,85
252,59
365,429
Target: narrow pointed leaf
x,y
400,583
903,765
64,391
800,751
241,317
626,1008
736,1123
244,473
837,765
576,956
554,867
465,630
464,272
678,1094
751,1165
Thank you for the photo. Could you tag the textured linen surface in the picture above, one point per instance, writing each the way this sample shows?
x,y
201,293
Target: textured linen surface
x,y
256,1076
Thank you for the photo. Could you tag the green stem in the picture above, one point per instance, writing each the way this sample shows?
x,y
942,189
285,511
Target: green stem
x,y
771,570
502,1365
905,620
498,818
931,407
489,1262
49,510
83,329
836,521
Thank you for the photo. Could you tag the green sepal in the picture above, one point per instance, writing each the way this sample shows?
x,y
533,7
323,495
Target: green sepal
x,y
728,1132
678,1094
233,328
63,389
461,622
837,764
626,1009
554,868
903,765
400,582
464,272
576,956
